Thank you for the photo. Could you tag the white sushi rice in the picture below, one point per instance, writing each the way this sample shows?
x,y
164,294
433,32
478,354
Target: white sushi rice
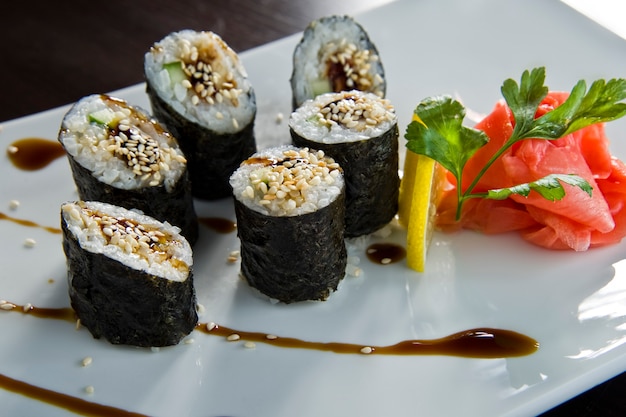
x,y
348,116
335,40
229,106
93,147
287,181
149,245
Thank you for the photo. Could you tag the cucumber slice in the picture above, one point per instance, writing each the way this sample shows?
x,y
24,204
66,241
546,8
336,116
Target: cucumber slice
x,y
105,117
320,86
175,71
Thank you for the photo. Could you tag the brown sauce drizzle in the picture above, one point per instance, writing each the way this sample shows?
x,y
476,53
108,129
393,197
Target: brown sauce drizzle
x,y
218,224
31,154
28,223
385,253
73,404
472,343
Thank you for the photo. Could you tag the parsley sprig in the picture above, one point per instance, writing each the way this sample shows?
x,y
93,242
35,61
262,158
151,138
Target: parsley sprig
x,y
437,130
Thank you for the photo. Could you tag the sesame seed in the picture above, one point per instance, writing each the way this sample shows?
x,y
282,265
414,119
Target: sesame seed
x,y
86,361
233,337
271,337
200,308
279,118
155,349
12,149
27,307
385,261
14,204
30,243
89,389
366,350
210,326
190,341
7,306
249,345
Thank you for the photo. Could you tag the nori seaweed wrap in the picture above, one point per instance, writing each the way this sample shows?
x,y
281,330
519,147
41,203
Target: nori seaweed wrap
x,y
335,54
120,155
199,89
360,131
130,276
289,205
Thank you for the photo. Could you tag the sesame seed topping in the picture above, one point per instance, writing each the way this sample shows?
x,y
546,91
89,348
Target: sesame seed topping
x,y
291,180
366,350
14,204
144,241
249,345
12,149
209,83
351,67
355,111
210,326
233,337
200,308
189,341
271,337
89,389
30,243
86,361
7,306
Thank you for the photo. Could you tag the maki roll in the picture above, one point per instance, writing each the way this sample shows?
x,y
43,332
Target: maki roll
x,y
360,131
130,275
120,155
335,54
199,89
289,205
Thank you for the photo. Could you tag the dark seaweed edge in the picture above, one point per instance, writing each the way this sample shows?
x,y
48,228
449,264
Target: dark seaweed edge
x,y
294,258
211,157
124,305
372,181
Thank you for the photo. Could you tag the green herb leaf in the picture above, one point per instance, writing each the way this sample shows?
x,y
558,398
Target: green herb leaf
x,y
581,109
437,131
550,187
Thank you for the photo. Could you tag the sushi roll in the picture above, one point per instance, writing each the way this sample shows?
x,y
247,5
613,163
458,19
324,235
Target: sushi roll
x,y
120,155
335,54
289,205
360,131
199,89
130,276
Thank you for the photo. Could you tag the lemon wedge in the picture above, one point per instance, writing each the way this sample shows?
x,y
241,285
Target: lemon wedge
x,y
419,195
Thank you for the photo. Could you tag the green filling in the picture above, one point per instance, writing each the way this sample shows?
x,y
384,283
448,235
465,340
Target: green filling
x,y
320,86
175,71
105,117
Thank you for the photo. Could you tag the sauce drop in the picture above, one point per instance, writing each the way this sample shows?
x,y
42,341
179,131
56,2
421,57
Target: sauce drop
x,y
31,154
218,224
385,253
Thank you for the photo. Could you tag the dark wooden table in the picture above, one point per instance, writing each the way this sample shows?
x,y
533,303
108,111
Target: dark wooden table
x,y
54,53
